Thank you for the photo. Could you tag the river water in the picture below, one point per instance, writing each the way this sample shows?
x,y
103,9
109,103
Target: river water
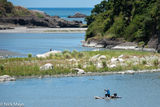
x,y
138,90
40,43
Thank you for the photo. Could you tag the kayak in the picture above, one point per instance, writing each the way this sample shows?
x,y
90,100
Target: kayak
x,y
107,98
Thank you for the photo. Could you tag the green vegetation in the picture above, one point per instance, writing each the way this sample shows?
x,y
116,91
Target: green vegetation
x,y
7,9
133,20
65,62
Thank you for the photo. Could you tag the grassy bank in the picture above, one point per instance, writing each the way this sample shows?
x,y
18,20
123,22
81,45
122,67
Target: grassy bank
x,y
92,61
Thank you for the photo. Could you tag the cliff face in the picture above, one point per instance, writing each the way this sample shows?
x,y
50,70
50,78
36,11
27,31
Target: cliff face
x,y
17,15
133,20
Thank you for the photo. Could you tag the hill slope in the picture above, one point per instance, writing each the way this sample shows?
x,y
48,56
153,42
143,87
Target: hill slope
x,y
133,20
16,15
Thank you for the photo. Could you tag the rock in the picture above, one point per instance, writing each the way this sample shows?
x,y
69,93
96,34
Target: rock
x,y
113,60
78,15
46,21
121,56
94,58
6,78
102,57
130,72
47,66
79,71
72,60
102,43
120,60
45,55
112,66
99,65
124,47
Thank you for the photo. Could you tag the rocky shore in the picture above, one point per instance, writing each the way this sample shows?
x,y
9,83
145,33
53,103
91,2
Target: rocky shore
x,y
78,15
47,21
117,44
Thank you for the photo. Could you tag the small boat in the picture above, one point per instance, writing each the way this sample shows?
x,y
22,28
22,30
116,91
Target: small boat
x,y
107,98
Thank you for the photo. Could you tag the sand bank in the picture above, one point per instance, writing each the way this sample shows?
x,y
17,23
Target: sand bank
x,y
44,30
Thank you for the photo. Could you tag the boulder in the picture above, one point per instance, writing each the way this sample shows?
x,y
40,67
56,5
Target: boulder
x,y
113,60
121,56
94,58
99,65
47,66
129,72
112,66
78,15
79,71
6,78
102,57
45,55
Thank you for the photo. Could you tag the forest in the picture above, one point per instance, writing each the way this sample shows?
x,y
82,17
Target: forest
x,y
132,20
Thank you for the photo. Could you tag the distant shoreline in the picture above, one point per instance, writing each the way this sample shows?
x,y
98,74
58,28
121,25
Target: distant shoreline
x,y
44,30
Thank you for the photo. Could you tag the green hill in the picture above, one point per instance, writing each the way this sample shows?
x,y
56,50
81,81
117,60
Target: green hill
x,y
132,20
7,9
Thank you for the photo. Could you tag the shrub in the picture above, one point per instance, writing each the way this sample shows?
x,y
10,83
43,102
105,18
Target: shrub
x,y
155,62
29,55
1,67
66,51
144,62
67,55
81,54
104,63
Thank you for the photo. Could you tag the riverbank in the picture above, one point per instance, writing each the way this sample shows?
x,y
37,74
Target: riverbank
x,y
75,63
43,30
132,72
117,44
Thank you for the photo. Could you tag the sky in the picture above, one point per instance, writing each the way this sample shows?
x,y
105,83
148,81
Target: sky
x,y
55,3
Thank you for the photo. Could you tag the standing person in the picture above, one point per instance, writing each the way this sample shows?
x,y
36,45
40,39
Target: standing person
x,y
107,93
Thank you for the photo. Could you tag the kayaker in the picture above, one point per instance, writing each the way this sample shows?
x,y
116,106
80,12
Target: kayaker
x,y
107,93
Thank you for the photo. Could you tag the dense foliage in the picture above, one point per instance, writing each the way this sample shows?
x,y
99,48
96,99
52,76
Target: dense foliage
x,y
133,20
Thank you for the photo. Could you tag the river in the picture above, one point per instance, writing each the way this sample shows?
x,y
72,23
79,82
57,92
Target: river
x,y
138,90
38,43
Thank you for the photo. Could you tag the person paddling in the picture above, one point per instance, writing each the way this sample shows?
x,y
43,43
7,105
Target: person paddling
x,y
107,93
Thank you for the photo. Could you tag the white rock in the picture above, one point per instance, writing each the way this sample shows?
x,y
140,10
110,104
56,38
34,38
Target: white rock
x,y
125,47
47,54
94,58
6,78
46,66
112,66
99,46
102,57
72,60
79,71
121,56
99,65
85,66
120,60
130,72
113,60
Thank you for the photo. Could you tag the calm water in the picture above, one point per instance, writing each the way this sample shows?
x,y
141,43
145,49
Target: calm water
x,y
41,43
65,12
139,90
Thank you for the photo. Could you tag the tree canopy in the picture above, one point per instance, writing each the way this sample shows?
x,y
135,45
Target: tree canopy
x,y
133,20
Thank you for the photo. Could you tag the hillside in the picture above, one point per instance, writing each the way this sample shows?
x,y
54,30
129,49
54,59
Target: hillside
x,y
20,16
132,20
7,9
